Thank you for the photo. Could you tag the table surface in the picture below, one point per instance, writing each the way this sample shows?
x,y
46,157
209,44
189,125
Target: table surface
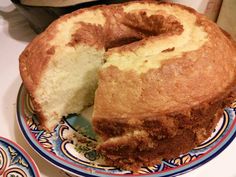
x,y
15,34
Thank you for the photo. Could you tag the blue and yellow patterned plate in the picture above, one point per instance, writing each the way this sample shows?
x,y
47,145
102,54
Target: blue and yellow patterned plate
x,y
79,156
15,162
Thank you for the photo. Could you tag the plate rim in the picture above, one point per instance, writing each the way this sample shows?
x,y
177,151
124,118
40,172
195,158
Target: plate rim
x,y
226,140
22,151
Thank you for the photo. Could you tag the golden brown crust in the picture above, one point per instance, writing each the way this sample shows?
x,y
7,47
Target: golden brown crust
x,y
32,62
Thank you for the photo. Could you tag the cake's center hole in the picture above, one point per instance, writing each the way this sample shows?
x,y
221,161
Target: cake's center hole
x,y
134,27
125,28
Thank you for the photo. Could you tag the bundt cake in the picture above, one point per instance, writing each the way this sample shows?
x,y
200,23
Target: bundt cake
x,y
158,74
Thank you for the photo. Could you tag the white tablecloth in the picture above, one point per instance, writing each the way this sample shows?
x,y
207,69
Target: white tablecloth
x,y
15,33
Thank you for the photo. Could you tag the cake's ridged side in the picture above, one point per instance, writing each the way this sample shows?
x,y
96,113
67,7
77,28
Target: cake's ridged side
x,y
143,141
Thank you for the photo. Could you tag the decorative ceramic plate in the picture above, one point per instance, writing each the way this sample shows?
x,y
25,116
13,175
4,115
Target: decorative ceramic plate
x,y
80,156
14,161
